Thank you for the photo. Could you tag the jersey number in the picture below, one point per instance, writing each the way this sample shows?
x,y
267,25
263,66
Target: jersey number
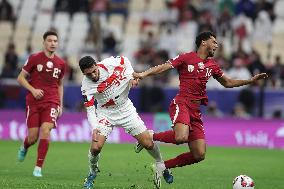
x,y
208,72
56,73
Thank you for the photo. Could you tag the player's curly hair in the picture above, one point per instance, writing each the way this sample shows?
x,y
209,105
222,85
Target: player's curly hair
x,y
86,62
203,36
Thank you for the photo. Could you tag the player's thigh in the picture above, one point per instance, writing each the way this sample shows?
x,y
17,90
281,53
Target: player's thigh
x,y
198,131
132,123
104,124
45,129
49,114
32,117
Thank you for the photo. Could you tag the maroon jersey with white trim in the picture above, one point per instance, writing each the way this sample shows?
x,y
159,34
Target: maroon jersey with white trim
x,y
194,73
45,74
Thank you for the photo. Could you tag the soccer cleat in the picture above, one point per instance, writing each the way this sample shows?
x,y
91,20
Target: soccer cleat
x,y
22,154
37,172
168,176
89,180
156,177
138,147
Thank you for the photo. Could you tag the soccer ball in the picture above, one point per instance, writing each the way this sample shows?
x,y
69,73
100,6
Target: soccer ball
x,y
243,182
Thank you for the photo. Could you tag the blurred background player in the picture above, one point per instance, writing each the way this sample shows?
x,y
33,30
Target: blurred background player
x,y
194,69
108,83
42,76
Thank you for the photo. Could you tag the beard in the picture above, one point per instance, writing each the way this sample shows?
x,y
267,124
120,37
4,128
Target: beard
x,y
211,53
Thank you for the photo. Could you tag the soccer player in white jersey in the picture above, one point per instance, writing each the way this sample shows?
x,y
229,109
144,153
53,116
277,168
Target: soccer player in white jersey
x,y
108,83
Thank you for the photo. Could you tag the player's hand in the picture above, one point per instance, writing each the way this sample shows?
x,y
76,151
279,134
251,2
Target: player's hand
x,y
59,111
134,83
259,77
138,75
37,93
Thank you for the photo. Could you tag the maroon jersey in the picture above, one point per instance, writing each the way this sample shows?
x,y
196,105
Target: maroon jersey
x,y
194,73
45,74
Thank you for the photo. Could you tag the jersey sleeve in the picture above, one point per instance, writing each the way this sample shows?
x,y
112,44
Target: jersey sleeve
x,y
89,102
176,61
128,66
29,65
63,70
217,71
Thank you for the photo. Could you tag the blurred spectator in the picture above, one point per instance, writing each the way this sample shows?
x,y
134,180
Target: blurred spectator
x,y
277,114
246,7
276,72
6,11
255,64
239,112
239,71
71,6
10,62
2,97
98,6
151,99
169,15
70,71
24,57
247,99
110,44
168,42
212,110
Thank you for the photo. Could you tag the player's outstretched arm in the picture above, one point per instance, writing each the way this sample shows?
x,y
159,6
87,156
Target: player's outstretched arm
x,y
153,71
230,83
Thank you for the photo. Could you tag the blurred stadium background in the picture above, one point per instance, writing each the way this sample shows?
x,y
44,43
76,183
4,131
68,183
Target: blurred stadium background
x,y
251,40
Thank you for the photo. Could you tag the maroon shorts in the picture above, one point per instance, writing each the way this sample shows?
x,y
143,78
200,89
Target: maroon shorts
x,y
38,114
189,114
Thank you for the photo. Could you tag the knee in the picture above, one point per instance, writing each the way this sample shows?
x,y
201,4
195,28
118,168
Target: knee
x,y
45,132
199,155
180,139
32,139
148,144
96,149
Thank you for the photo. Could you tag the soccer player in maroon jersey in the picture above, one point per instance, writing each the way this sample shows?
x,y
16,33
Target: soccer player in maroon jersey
x,y
194,68
42,75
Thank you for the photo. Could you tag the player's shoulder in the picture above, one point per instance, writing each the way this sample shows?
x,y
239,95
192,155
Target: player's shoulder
x,y
212,61
59,59
113,61
36,56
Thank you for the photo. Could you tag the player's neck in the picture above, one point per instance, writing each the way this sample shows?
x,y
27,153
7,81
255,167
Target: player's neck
x,y
202,53
49,54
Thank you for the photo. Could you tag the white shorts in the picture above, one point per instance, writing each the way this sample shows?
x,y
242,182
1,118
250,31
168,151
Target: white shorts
x,y
124,116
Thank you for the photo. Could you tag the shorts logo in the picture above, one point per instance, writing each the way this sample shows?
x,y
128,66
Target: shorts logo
x,y
39,67
49,64
190,68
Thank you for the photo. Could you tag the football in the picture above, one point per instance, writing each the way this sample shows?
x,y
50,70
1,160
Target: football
x,y
243,182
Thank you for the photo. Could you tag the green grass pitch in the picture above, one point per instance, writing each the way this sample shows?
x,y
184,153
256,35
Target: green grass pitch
x,y
121,167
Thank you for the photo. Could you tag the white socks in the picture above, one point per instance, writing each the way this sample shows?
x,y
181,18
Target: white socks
x,y
155,153
93,162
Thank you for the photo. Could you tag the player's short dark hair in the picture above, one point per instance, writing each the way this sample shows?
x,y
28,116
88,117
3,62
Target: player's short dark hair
x,y
48,33
86,62
203,36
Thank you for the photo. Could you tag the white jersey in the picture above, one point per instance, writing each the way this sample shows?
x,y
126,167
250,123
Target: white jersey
x,y
114,108
112,88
